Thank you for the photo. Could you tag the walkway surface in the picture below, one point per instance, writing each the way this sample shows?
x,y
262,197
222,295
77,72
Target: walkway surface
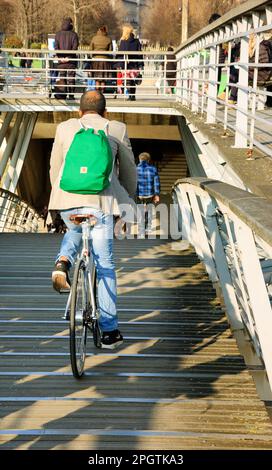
x,y
177,382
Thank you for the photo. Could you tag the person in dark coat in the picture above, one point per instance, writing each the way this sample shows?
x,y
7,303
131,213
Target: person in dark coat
x,y
66,39
128,43
25,63
264,73
101,68
171,69
234,70
215,17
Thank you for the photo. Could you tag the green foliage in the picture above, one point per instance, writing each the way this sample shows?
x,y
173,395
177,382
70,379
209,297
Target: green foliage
x,y
13,42
35,45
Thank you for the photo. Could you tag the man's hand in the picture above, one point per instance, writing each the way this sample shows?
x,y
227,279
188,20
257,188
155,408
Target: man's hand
x,y
119,228
156,199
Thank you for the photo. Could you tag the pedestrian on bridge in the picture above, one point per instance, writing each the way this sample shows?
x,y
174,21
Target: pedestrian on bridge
x,y
131,69
66,40
103,206
101,68
148,193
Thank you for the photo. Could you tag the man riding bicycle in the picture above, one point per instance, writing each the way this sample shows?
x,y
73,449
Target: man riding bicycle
x,y
105,205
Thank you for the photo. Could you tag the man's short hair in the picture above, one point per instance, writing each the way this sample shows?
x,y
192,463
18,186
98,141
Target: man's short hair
x,y
93,102
145,156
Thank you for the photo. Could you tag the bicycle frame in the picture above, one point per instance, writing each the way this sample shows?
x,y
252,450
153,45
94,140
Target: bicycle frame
x,y
81,309
89,266
85,255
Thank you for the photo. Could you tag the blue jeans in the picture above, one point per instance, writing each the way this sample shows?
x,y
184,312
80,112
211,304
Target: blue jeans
x,y
101,244
145,214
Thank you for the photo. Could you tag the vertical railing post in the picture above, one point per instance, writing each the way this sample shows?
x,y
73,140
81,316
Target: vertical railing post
x,y
179,79
47,74
212,90
241,133
186,82
182,82
195,87
125,72
165,84
202,58
226,109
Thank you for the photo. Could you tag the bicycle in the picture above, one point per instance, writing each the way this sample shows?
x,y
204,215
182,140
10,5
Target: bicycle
x,y
81,309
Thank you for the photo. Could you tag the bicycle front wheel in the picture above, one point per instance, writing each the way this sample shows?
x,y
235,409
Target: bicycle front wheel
x,y
78,319
93,301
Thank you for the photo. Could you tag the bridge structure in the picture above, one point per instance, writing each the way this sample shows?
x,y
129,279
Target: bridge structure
x,y
195,370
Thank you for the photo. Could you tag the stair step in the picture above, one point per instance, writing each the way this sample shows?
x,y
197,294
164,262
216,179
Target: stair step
x,y
178,380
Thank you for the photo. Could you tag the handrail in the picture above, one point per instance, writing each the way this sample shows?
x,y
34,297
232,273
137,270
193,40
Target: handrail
x,y
225,84
232,234
250,208
17,215
231,15
82,70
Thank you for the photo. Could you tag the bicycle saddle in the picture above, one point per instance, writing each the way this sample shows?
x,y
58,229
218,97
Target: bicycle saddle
x,y
77,219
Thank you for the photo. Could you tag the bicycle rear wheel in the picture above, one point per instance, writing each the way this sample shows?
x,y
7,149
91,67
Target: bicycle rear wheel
x,y
78,319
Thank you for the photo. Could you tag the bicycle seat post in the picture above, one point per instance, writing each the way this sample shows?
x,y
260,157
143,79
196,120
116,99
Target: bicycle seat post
x,y
85,236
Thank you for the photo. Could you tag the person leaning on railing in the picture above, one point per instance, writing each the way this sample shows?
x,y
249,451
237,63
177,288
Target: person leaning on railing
x,y
25,62
222,55
67,40
101,68
171,70
128,43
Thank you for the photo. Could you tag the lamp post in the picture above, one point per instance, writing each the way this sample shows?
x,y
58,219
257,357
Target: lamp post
x,y
184,20
138,16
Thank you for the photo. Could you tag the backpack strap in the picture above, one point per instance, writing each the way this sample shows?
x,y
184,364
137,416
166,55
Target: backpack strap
x,y
106,128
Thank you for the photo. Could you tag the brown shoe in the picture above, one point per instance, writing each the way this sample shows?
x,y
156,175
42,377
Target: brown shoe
x,y
60,276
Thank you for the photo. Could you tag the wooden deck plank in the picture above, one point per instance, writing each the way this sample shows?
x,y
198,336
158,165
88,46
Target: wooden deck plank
x,y
178,381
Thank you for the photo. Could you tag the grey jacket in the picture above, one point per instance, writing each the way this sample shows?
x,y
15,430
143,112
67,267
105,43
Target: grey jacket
x,y
124,180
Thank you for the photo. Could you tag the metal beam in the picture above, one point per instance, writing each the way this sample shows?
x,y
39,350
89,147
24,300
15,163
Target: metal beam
x,y
5,125
10,143
17,161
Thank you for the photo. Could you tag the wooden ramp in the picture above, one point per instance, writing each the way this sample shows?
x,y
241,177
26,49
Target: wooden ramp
x,y
177,382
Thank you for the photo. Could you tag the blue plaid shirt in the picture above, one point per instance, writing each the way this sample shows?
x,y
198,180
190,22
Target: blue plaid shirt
x,y
148,180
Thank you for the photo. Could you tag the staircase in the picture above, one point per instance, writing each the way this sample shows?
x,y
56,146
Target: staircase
x,y
171,168
177,382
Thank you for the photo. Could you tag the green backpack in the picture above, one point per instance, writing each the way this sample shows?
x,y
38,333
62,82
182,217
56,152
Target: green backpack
x,y
88,163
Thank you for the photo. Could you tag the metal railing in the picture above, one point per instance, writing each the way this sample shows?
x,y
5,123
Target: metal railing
x,y
17,215
203,76
217,63
232,235
120,75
